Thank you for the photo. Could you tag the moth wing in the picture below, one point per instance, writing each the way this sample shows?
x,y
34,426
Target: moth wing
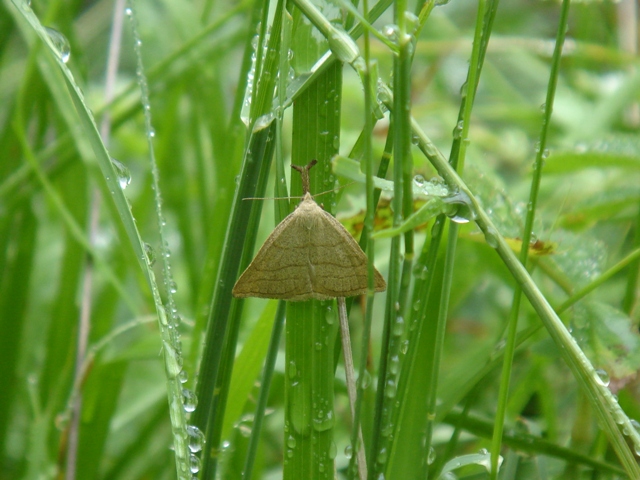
x,y
340,264
280,268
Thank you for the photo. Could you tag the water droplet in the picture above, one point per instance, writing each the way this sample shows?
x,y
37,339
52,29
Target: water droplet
x,y
420,271
183,376
602,377
382,455
431,457
348,451
536,146
491,237
122,173
323,419
333,450
172,358
293,370
151,133
60,43
365,380
264,121
457,130
173,286
194,463
150,253
391,389
195,438
416,305
461,208
394,365
392,32
190,400
291,441
398,326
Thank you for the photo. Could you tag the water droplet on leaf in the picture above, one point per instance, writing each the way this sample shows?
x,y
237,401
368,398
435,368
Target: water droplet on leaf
x,y
60,43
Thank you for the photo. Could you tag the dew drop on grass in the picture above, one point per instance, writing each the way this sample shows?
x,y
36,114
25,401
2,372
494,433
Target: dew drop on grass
x,y
323,419
183,376
391,389
122,173
461,208
431,457
293,370
150,253
365,380
60,43
190,400
392,32
172,359
394,365
602,378
491,237
194,463
398,326
195,438
419,181
348,451
382,456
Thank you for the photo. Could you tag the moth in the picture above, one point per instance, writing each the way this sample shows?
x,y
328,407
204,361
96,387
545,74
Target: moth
x,y
309,255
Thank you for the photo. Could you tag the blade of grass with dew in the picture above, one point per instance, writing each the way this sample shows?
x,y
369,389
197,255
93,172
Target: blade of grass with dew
x,y
232,148
179,398
357,443
310,329
399,269
228,355
224,316
281,211
496,444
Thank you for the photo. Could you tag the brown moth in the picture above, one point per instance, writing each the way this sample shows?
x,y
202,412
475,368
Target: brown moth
x,y
309,255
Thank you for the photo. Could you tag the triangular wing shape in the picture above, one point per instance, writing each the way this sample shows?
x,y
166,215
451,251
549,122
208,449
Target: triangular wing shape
x,y
340,265
279,268
308,255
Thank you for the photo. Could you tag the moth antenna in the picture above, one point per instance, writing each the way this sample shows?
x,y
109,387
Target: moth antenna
x,y
304,174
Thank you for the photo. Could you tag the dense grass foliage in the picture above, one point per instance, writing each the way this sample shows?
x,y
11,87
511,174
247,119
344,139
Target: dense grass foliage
x,y
145,157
